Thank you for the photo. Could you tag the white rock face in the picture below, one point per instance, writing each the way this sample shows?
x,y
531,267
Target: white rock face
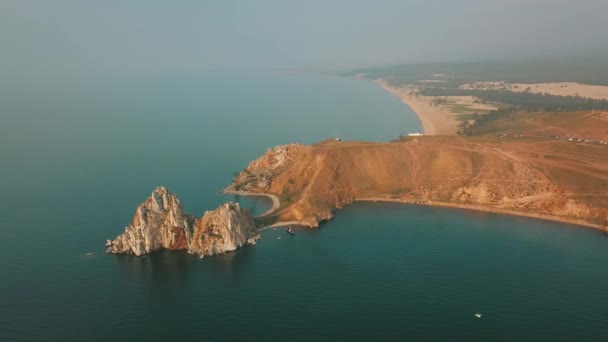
x,y
222,230
160,223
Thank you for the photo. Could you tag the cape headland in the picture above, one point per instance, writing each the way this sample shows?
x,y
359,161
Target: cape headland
x,y
160,223
531,175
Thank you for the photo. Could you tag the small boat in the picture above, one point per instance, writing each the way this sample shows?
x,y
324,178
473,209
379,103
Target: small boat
x,y
478,315
290,230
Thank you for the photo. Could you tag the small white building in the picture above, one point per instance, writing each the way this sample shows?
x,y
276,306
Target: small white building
x,y
415,134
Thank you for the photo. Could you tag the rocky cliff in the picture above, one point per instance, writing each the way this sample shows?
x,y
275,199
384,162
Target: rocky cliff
x,y
222,230
160,223
296,173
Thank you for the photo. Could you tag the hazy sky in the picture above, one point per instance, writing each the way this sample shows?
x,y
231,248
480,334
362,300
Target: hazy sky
x,y
61,36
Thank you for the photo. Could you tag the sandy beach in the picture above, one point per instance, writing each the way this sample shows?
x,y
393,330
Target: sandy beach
x,y
275,200
434,121
490,210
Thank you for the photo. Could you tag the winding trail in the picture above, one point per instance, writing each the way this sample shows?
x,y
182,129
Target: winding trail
x,y
281,224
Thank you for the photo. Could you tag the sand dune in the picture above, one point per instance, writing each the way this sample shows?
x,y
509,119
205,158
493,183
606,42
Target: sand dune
x,y
557,88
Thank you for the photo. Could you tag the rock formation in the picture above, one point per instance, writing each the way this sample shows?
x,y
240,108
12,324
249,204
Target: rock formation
x,y
222,230
160,223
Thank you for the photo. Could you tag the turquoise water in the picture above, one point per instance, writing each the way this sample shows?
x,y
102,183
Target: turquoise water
x,y
77,157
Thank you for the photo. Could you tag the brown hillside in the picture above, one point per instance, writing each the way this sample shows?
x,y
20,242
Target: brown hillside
x,y
592,125
566,180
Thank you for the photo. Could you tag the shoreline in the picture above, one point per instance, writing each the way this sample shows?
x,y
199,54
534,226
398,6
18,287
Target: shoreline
x,y
276,204
433,121
275,200
508,212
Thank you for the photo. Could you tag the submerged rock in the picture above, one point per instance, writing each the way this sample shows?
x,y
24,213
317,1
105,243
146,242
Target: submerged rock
x,y
160,223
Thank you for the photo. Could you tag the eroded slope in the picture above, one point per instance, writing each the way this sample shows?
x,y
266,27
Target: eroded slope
x,y
555,178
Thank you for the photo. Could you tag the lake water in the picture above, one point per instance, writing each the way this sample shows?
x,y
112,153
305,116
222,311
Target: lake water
x,y
78,157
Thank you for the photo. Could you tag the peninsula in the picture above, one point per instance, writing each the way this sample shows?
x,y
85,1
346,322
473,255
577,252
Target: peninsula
x,y
555,167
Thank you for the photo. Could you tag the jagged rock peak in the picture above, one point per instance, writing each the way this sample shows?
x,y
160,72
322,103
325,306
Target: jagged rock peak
x,y
160,223
222,230
162,196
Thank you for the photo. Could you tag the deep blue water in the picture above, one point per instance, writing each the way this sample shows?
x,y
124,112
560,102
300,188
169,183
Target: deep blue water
x,y
78,157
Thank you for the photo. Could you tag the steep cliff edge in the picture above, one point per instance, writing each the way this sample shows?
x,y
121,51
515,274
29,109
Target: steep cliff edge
x,y
298,175
160,223
222,230
544,177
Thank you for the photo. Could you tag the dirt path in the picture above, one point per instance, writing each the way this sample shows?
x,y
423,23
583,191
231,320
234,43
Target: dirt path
x,y
306,192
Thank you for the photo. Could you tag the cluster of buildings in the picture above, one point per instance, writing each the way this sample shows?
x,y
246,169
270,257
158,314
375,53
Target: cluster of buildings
x,y
589,141
510,135
556,137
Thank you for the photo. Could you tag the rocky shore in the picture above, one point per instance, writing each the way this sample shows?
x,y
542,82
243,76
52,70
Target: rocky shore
x,y
540,179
